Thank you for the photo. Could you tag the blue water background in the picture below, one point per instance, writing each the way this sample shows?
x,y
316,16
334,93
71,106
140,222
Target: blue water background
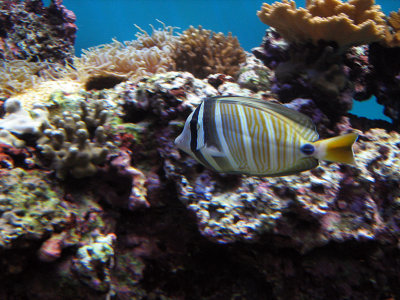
x,y
101,20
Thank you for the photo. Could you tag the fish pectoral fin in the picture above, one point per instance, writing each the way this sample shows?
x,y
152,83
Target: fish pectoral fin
x,y
214,151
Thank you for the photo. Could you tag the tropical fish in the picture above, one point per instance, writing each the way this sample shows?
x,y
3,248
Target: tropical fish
x,y
255,137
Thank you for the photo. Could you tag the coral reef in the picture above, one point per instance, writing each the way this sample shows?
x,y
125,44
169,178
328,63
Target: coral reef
x,y
154,223
330,77
375,71
48,92
124,186
76,143
358,21
254,75
17,75
31,31
7,138
273,50
203,52
330,200
316,72
162,96
331,207
96,202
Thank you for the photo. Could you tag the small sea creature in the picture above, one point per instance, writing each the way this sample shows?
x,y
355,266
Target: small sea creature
x,y
255,137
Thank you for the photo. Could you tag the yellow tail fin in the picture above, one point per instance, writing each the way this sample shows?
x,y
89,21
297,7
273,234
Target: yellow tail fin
x,y
337,149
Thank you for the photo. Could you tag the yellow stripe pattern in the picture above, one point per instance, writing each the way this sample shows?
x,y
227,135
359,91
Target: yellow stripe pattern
x,y
258,142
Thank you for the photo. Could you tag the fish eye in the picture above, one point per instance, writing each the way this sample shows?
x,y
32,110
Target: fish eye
x,y
307,149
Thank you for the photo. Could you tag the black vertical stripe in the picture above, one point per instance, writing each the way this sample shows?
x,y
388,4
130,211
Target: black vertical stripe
x,y
193,129
194,133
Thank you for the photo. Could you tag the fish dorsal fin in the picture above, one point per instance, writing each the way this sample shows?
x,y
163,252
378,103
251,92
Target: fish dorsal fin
x,y
304,164
303,124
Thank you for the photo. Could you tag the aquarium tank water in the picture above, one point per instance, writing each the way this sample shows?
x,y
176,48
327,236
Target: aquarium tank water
x,y
100,22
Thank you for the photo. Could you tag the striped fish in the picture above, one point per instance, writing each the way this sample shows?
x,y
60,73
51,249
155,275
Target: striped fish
x,y
255,137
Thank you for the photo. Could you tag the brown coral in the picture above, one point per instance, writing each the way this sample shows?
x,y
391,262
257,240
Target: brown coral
x,y
77,143
203,52
351,23
392,34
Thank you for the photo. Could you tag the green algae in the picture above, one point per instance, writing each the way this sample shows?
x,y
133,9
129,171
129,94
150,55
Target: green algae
x,y
29,206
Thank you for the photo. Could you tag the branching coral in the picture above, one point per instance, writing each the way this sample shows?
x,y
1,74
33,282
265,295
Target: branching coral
x,y
351,23
149,54
392,34
77,143
203,52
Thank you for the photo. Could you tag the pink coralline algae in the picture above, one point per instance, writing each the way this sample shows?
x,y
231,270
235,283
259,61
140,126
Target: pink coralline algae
x,y
51,248
124,186
33,32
